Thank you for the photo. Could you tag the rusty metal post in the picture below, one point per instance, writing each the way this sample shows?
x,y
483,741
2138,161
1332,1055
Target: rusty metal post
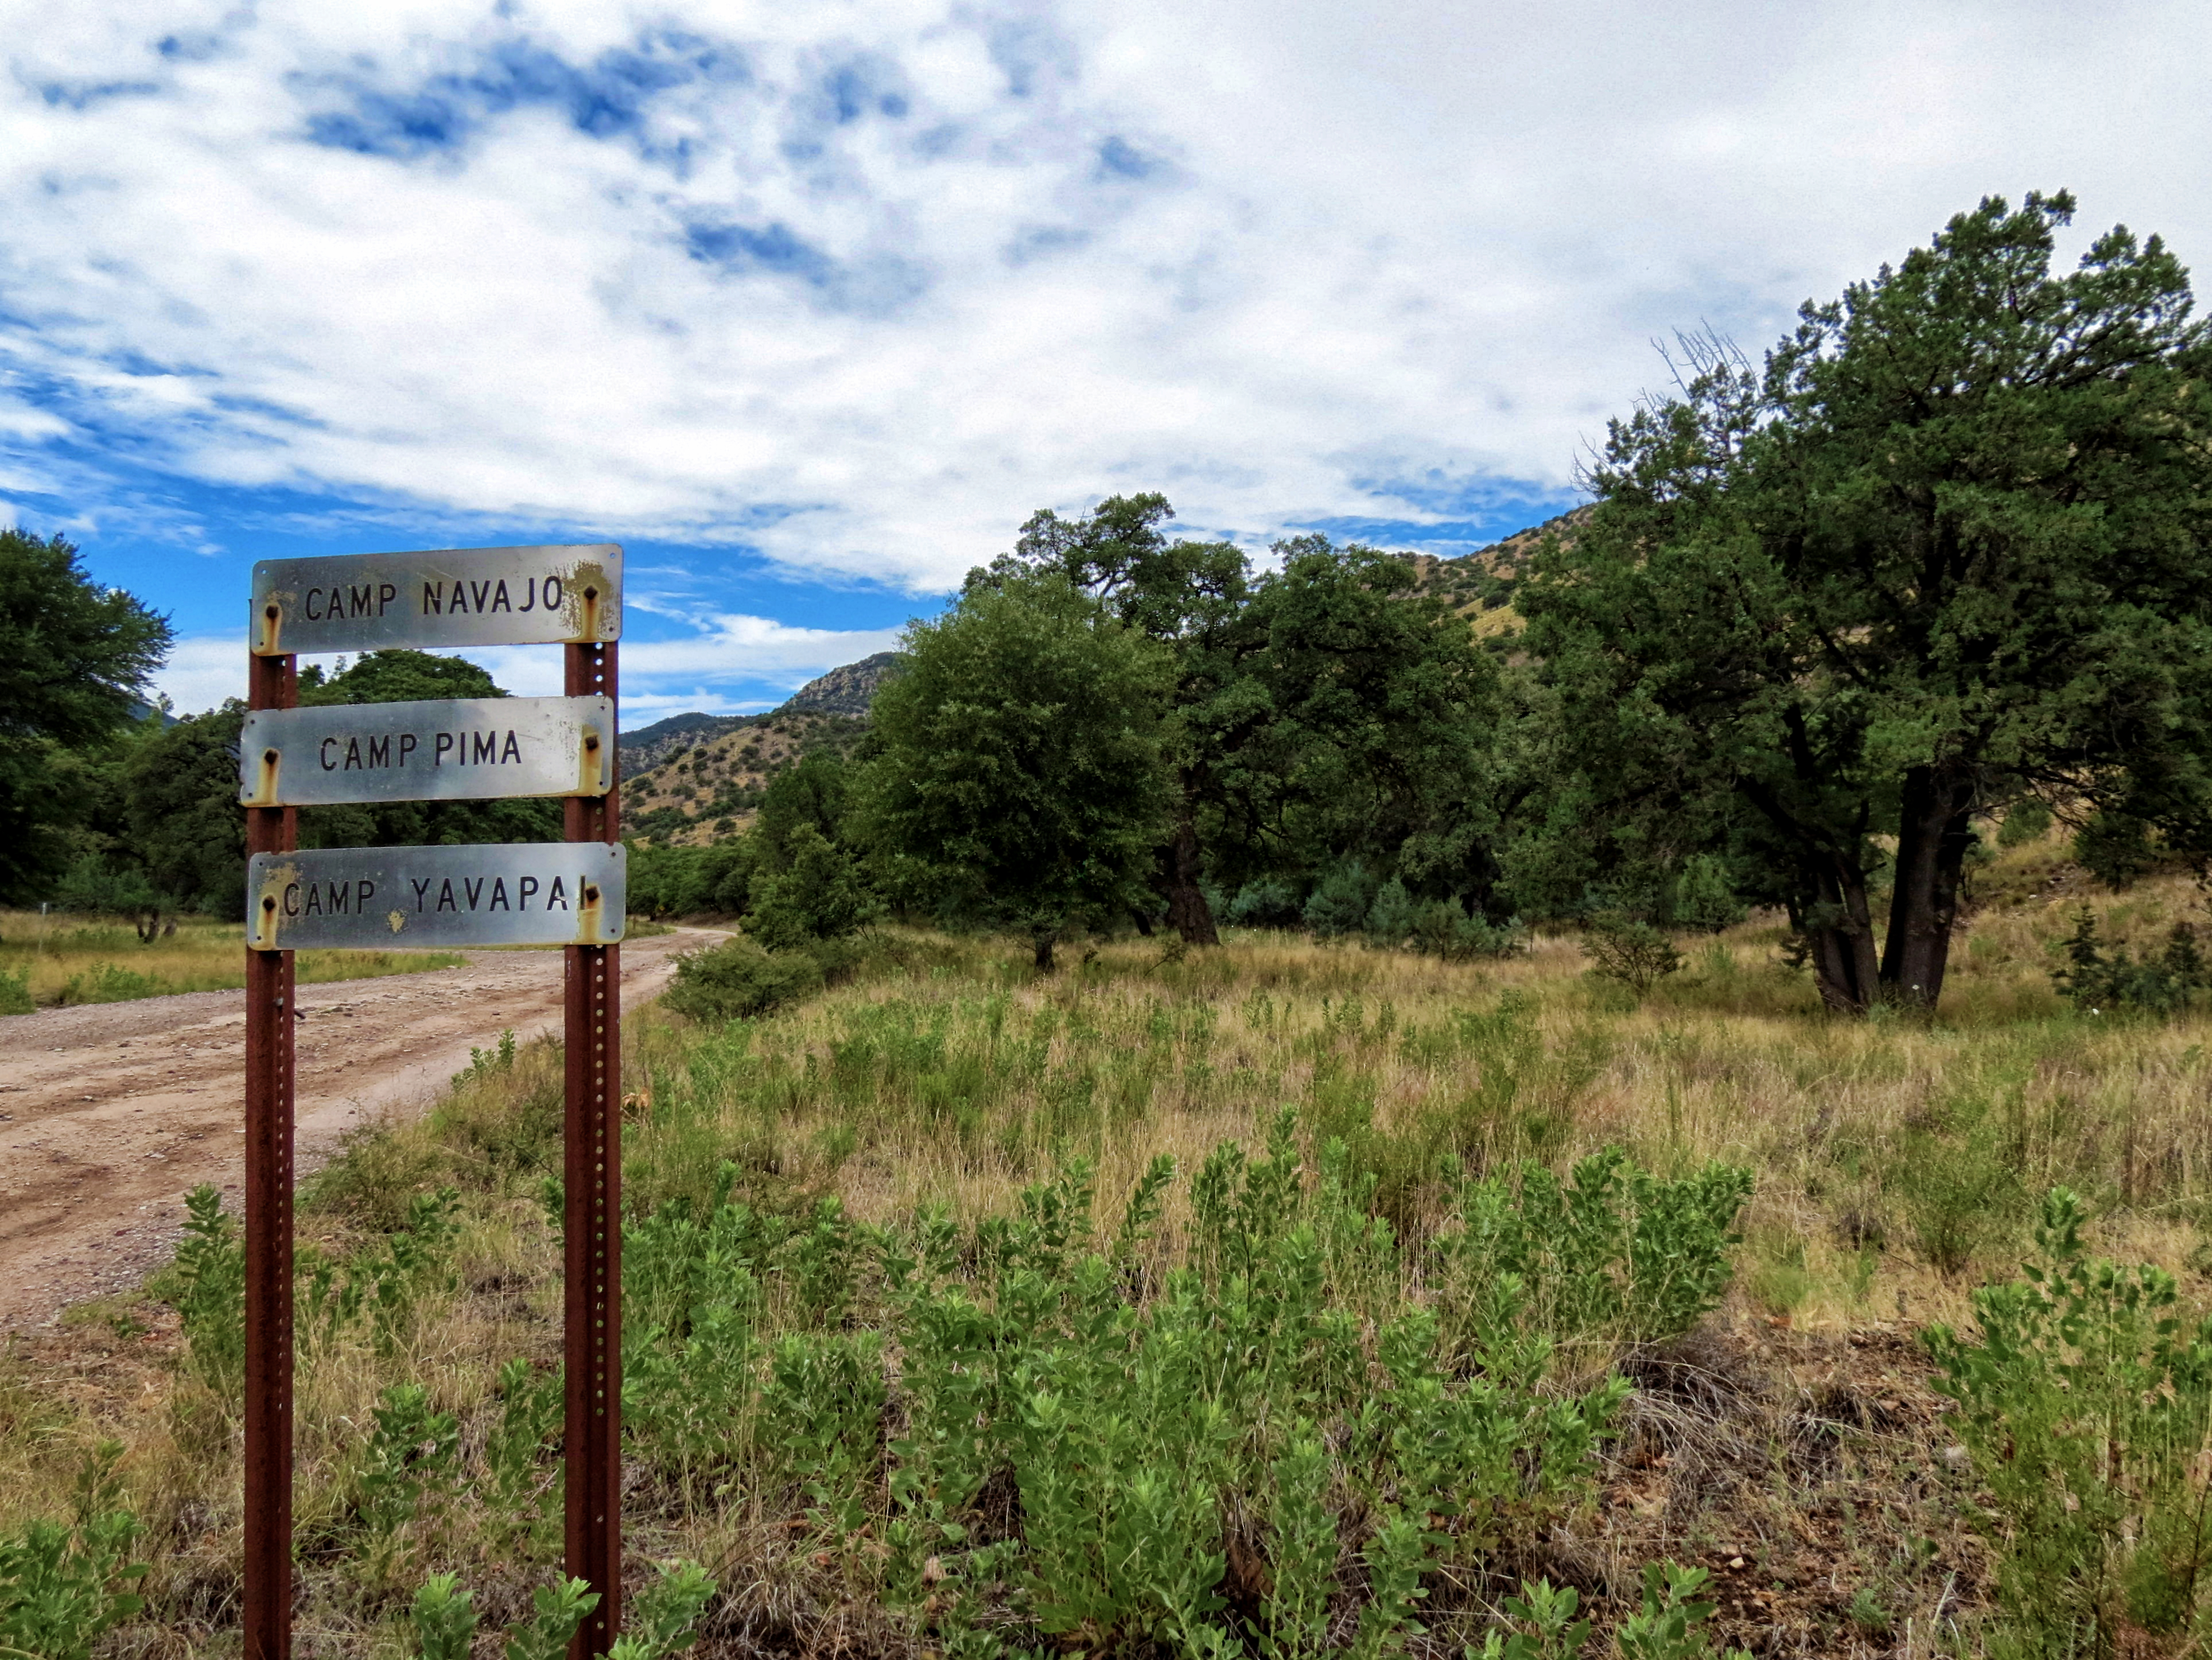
x,y
272,683
591,1222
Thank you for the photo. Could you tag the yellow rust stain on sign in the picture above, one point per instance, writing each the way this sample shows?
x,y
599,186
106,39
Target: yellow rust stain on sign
x,y
262,926
264,792
593,589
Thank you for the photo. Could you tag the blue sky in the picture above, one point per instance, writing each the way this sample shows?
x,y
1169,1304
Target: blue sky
x,y
810,306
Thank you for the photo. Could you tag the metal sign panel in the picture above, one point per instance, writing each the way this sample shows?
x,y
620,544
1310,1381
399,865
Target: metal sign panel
x,y
529,893
463,749
445,597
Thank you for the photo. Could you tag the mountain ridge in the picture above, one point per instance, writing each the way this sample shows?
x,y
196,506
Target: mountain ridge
x,y
845,690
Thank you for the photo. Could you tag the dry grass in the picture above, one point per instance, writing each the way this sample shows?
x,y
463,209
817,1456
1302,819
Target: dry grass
x,y
1791,1443
1731,1060
61,958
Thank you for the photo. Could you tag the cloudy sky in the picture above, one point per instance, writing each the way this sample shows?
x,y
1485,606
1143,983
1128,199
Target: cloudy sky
x,y
809,305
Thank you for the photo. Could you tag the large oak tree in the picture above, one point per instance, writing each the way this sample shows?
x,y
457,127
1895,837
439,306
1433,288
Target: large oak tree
x,y
74,661
1019,768
1946,547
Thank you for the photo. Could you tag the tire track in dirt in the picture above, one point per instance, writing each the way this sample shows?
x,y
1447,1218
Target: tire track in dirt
x,y
110,1113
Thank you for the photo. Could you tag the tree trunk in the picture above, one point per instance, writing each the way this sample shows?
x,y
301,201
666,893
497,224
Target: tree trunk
x,y
1043,943
1144,923
1841,931
1934,832
1188,912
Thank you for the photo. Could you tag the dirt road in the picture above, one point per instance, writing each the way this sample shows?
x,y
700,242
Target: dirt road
x,y
109,1114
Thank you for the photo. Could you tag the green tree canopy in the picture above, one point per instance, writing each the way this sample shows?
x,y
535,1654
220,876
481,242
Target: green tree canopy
x,y
400,676
74,661
397,676
1325,710
181,823
1186,595
811,793
1946,547
1356,723
172,831
1020,768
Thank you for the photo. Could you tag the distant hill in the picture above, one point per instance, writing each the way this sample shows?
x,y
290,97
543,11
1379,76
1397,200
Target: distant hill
x,y
649,745
708,782
844,691
693,777
1485,579
1480,586
848,690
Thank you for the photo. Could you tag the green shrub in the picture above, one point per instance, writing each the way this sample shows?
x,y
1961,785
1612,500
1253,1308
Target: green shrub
x,y
2115,847
412,1458
2085,1404
1666,1627
1339,906
1443,928
1132,1408
1957,1180
1268,903
820,896
445,1619
385,1285
821,1404
15,991
1391,917
1613,1251
207,1284
1636,954
1703,898
483,1063
738,980
2099,983
530,1413
2027,820
1126,1426
62,1586
555,1611
661,1616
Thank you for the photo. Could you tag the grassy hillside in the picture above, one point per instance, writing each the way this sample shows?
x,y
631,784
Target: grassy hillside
x,y
703,791
832,1205
1480,585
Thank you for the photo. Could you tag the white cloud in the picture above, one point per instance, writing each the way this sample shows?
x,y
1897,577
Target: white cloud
x,y
1405,243
756,647
202,670
703,672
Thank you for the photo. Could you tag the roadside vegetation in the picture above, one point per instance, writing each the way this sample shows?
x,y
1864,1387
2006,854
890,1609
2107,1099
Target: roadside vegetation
x,y
63,960
1297,1296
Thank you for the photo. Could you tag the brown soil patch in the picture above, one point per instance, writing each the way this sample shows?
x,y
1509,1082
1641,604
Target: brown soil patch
x,y
109,1114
